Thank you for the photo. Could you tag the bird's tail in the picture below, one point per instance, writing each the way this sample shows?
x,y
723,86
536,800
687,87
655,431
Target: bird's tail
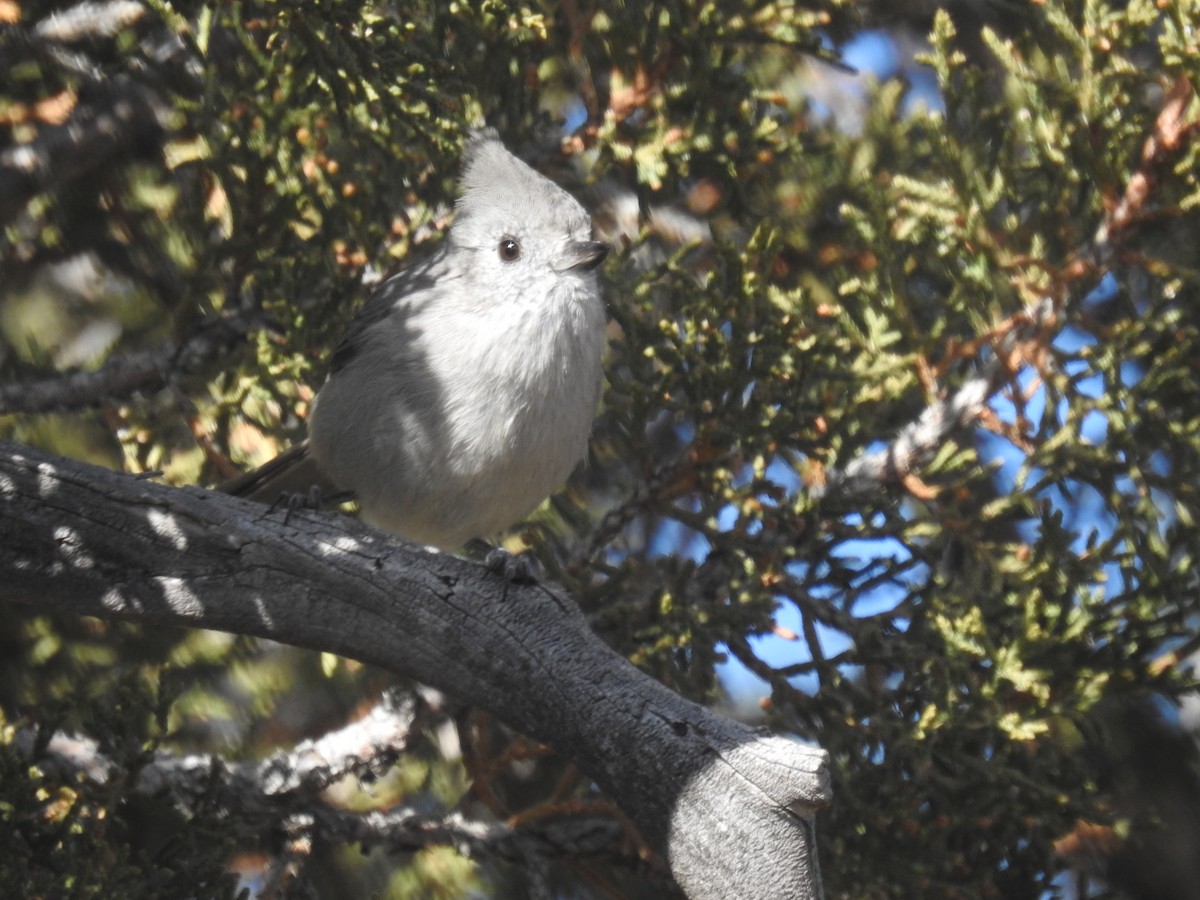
x,y
292,473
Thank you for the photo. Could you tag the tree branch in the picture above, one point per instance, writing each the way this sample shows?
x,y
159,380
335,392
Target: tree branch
x,y
121,375
731,808
917,441
285,788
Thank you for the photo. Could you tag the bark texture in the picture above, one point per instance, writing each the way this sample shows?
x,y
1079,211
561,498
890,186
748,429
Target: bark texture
x,y
730,807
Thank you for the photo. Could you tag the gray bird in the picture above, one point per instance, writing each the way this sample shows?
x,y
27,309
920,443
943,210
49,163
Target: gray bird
x,y
463,392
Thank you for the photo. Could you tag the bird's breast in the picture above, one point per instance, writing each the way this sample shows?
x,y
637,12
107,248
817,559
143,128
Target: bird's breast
x,y
531,389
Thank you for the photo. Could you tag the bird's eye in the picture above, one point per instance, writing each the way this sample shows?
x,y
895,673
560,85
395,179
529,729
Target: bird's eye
x,y
510,250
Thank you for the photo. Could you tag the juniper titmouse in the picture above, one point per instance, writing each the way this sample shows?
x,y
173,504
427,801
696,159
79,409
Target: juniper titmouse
x,y
463,392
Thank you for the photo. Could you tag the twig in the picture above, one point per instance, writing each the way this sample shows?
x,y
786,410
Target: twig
x,y
361,747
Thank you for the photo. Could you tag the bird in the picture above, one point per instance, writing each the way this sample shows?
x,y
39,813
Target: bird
x,y
463,392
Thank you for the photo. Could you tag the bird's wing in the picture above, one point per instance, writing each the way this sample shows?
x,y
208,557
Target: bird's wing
x,y
417,280
294,472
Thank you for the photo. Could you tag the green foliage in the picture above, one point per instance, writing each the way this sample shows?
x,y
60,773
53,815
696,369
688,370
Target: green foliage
x,y
70,836
960,627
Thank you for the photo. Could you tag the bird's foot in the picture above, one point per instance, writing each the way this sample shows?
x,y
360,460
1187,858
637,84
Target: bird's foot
x,y
313,499
520,568
294,501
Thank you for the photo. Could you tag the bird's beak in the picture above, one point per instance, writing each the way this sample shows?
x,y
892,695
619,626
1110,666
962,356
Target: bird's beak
x,y
582,255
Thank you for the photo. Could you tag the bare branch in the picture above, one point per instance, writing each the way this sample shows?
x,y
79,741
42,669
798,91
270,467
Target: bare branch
x,y
311,766
916,443
121,376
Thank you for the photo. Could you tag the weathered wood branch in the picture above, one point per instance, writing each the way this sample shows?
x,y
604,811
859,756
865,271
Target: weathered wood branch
x,y
731,808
